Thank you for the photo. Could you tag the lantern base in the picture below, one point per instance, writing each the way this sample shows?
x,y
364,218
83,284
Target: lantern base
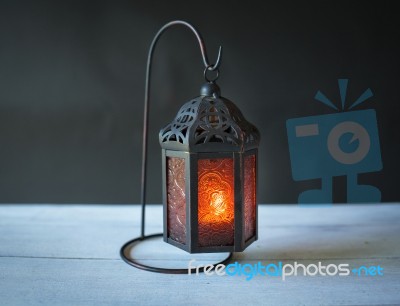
x,y
133,262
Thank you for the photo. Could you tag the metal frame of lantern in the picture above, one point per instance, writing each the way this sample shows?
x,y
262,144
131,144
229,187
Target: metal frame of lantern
x,y
193,137
246,133
240,243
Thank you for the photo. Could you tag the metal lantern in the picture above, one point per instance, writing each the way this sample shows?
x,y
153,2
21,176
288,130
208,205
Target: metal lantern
x,y
209,168
209,158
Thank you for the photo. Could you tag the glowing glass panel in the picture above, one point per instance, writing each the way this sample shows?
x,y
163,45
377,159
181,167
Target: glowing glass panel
x,y
216,202
249,196
176,199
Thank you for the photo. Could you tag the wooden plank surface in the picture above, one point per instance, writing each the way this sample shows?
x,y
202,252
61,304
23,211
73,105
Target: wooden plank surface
x,y
69,255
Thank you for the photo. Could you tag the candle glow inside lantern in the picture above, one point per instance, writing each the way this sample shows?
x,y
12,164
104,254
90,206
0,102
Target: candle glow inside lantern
x,y
209,154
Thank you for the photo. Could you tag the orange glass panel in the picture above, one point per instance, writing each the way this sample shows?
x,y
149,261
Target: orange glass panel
x,y
216,202
249,196
176,199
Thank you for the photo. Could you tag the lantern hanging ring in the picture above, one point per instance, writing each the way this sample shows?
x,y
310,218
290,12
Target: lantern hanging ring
x,y
207,69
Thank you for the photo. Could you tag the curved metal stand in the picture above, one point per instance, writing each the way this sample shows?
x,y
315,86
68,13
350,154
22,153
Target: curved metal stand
x,y
208,67
139,265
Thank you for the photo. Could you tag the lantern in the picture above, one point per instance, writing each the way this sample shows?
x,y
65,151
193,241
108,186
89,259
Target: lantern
x,y
209,168
209,158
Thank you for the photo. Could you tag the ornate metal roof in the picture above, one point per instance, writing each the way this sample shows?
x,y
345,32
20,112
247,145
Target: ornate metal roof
x,y
209,123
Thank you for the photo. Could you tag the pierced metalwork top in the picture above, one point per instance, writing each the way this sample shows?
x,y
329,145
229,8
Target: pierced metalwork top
x,y
209,123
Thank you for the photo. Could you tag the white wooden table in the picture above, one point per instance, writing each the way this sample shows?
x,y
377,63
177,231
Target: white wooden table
x,y
69,255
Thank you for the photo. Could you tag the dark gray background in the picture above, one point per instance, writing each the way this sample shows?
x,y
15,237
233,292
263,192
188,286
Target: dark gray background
x,y
72,84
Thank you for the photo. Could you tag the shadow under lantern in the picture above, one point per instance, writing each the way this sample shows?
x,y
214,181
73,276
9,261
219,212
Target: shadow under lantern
x,y
209,166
